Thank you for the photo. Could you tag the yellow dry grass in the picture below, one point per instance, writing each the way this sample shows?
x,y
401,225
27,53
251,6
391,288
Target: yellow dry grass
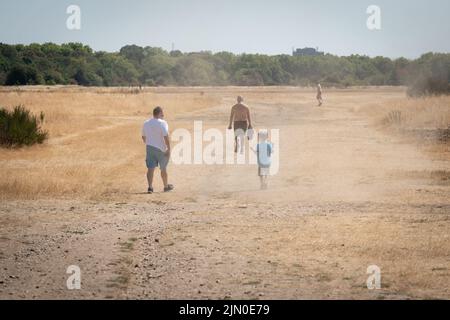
x,y
94,146
94,149
413,114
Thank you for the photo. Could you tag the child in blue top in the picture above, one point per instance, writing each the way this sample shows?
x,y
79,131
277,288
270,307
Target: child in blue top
x,y
263,151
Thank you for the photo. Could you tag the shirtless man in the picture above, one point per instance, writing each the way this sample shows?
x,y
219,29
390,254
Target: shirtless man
x,y
241,120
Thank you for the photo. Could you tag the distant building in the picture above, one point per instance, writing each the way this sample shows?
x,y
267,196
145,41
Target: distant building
x,y
307,52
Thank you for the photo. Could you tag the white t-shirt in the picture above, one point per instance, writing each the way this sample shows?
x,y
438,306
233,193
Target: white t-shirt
x,y
154,131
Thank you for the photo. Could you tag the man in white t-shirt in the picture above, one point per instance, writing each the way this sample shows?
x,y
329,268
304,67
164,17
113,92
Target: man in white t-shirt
x,y
155,135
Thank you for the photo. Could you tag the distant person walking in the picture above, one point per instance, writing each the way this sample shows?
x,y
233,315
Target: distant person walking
x,y
319,94
155,135
241,121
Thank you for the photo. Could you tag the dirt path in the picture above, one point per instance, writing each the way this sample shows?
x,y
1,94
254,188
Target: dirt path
x,y
347,196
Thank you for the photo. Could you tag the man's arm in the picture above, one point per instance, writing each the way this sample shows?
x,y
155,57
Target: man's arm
x,y
230,126
167,141
249,118
143,134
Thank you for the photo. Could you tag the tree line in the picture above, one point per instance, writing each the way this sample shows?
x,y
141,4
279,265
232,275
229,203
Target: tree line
x,y
78,64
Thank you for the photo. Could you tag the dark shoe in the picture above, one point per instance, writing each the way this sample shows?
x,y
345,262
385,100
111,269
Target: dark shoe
x,y
169,188
150,190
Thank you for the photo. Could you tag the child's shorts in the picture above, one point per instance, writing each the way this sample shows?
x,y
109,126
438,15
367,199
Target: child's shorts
x,y
263,172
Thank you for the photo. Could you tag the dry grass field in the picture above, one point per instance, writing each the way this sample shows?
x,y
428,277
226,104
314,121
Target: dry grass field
x,y
363,180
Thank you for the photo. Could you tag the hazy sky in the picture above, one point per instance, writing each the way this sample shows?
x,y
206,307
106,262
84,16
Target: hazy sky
x,y
409,27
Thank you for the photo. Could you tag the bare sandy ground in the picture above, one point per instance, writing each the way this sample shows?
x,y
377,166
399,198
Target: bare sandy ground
x,y
348,195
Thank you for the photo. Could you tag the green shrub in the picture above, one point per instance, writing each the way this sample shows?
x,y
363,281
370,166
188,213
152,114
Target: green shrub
x,y
20,127
428,86
430,75
23,75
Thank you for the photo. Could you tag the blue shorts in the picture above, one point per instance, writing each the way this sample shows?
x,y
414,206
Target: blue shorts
x,y
155,158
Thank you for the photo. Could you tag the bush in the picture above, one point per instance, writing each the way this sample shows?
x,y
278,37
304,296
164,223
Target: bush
x,y
20,127
428,86
87,78
430,75
23,75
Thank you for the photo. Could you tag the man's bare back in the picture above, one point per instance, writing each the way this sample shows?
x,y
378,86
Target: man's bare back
x,y
240,113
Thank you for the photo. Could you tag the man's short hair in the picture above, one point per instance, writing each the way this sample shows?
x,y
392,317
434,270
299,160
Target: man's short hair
x,y
240,99
157,111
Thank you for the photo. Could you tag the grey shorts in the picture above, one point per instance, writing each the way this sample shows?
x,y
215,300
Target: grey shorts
x,y
156,158
264,171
